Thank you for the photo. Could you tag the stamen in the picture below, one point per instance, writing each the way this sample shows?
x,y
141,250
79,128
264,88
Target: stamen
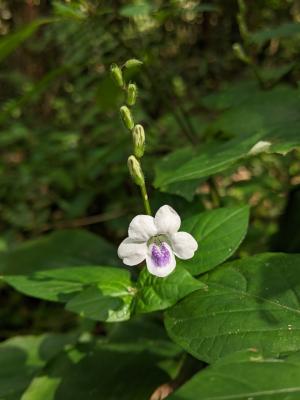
x,y
160,255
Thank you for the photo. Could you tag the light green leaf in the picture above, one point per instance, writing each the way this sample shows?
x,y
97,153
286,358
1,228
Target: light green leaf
x,y
245,375
104,303
155,293
251,303
219,233
60,249
84,288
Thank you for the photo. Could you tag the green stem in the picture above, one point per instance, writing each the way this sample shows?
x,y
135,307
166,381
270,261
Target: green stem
x,y
145,199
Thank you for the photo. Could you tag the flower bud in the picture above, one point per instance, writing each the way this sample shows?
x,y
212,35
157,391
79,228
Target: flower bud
x,y
127,117
240,53
117,75
131,94
135,171
132,63
138,135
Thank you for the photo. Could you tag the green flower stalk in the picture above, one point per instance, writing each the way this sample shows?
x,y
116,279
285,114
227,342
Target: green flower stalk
x,y
138,133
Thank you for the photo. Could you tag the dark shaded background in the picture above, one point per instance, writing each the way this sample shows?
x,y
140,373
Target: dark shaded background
x,y
64,149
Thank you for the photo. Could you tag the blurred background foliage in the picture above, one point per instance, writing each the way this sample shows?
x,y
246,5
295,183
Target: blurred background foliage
x,y
209,68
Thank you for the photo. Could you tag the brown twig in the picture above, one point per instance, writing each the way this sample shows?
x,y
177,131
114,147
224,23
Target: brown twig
x,y
90,220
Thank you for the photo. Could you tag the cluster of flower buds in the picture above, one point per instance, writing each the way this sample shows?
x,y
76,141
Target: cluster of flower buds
x,y
137,131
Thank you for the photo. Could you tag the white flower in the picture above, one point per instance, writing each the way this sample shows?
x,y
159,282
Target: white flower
x,y
158,241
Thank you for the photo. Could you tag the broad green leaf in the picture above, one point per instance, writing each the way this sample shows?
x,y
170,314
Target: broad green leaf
x,y
214,158
272,116
184,189
22,358
12,41
282,31
111,304
231,94
245,375
58,250
219,233
251,303
155,293
107,373
100,293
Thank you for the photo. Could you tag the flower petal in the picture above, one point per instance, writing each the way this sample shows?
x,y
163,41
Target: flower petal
x,y
131,252
167,220
142,228
183,245
160,260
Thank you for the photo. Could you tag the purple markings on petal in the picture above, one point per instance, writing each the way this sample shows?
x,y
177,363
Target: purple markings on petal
x,y
160,255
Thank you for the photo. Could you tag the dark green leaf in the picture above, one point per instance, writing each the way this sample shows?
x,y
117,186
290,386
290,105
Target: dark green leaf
x,y
282,31
219,233
251,303
155,293
245,375
217,157
22,358
272,117
99,373
58,250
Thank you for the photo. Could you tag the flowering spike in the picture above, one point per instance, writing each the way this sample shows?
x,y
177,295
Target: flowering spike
x,y
127,117
138,135
117,75
135,170
131,94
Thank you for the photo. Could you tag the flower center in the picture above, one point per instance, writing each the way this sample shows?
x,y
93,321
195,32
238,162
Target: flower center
x,y
160,255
